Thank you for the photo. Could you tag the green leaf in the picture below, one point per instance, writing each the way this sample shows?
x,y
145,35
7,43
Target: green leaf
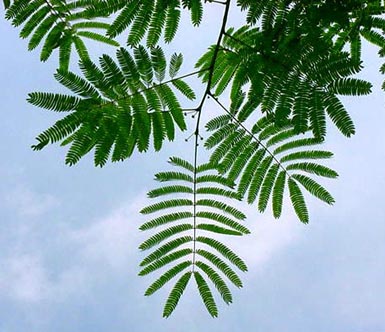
x,y
166,277
172,23
225,251
161,262
222,207
314,169
168,218
184,88
166,248
218,229
298,201
6,3
218,122
314,188
175,294
166,205
181,163
223,220
124,19
340,116
257,179
215,179
217,280
267,187
33,22
206,294
169,190
175,64
52,41
76,84
310,154
164,235
221,265
53,101
278,191
159,63
173,176
218,192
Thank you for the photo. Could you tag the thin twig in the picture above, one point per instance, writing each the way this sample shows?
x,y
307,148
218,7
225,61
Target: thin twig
x,y
199,109
250,133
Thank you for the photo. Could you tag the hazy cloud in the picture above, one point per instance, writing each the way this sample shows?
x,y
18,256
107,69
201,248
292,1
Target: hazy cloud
x,y
27,203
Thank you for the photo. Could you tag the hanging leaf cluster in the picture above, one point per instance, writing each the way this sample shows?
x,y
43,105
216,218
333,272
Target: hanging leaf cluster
x,y
58,24
266,159
186,239
150,17
286,78
342,23
117,107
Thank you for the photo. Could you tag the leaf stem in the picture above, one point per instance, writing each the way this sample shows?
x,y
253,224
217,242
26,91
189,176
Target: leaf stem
x,y
115,101
250,133
199,110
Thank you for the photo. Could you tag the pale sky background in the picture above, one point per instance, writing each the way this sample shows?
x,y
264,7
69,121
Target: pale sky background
x,y
68,236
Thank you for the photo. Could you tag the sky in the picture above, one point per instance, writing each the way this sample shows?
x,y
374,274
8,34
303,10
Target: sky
x,y
69,235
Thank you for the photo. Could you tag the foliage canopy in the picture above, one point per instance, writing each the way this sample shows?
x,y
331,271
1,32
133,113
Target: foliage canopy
x,y
283,72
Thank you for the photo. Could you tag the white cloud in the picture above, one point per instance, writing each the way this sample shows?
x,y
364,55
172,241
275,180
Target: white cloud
x,y
268,236
28,203
24,278
107,243
112,239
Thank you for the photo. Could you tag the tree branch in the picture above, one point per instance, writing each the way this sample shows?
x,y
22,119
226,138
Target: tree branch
x,y
199,109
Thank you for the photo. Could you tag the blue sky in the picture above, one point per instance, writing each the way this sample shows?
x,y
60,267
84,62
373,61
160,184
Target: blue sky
x,y
68,235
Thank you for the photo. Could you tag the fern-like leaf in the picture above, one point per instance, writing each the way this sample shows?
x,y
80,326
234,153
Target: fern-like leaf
x,y
267,158
175,294
125,101
180,237
206,294
60,24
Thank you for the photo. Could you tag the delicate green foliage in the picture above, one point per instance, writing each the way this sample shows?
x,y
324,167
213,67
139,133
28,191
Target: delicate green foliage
x,y
175,189
223,220
314,188
166,277
222,266
278,191
223,207
175,294
206,294
166,204
165,219
337,22
6,3
217,280
175,64
225,251
58,23
158,253
298,201
166,259
267,160
150,17
120,105
206,216
295,75
54,102
218,229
